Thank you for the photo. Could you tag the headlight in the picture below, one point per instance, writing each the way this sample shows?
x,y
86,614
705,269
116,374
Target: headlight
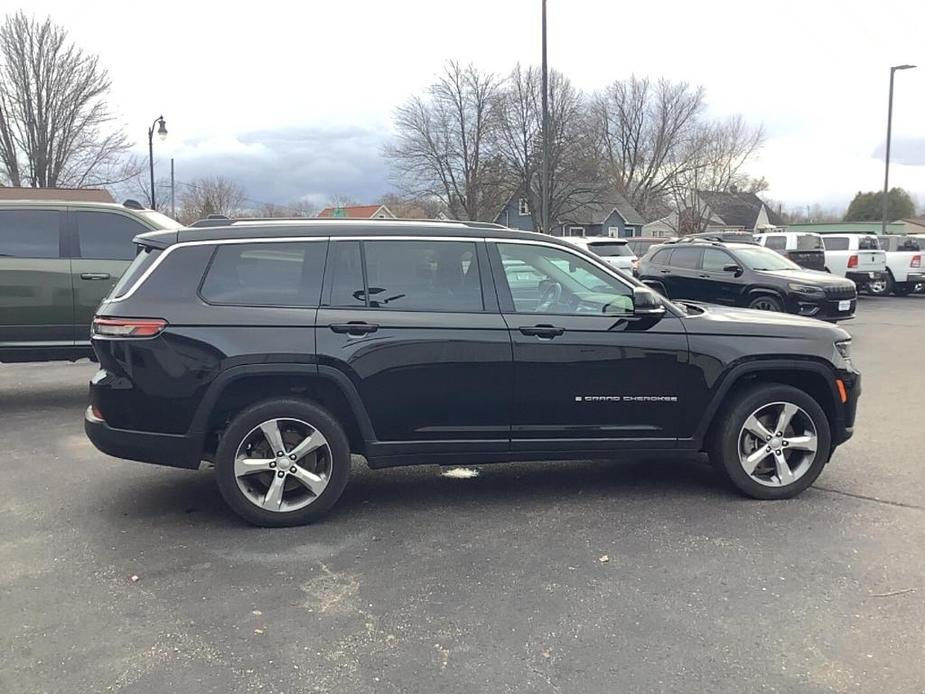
x,y
805,288
844,351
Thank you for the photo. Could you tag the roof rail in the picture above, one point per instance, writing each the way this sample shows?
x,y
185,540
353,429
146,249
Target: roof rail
x,y
218,220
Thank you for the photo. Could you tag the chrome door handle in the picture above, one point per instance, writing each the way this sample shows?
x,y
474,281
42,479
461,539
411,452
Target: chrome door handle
x,y
94,275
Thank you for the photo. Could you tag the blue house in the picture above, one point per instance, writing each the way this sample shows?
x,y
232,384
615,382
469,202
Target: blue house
x,y
611,216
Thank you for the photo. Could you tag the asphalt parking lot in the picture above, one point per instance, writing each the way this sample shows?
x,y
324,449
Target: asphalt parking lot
x,y
595,577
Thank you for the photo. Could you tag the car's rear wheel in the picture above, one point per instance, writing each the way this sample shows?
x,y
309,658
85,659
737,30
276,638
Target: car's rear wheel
x,y
766,302
881,287
773,441
282,462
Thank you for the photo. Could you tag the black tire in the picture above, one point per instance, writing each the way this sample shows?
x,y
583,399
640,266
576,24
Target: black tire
x,y
902,288
724,446
252,417
766,302
883,288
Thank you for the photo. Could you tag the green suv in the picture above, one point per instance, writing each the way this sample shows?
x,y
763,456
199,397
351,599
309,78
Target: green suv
x,y
57,262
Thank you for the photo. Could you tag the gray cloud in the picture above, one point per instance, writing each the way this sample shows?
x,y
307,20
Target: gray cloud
x,y
904,150
287,164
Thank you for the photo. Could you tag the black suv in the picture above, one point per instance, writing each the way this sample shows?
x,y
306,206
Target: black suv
x,y
276,350
746,275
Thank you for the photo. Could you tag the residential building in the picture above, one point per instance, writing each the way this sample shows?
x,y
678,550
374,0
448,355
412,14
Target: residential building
x,y
55,194
611,216
727,210
358,212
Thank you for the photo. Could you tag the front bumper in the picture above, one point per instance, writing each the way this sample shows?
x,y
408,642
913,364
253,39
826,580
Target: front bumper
x,y
172,450
827,309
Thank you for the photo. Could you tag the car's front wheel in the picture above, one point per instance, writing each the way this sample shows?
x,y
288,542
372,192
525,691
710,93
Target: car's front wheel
x,y
766,302
282,462
773,441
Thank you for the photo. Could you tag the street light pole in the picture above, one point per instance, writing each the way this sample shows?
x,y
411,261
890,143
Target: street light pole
x,y
544,184
889,133
162,133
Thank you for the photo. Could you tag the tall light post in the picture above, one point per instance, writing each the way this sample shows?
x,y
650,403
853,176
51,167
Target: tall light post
x,y
889,132
544,185
161,133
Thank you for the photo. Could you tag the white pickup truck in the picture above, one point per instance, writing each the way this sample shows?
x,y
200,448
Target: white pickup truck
x,y
857,257
903,265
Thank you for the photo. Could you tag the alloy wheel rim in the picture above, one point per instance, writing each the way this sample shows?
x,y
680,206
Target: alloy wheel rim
x,y
283,465
764,305
878,287
777,444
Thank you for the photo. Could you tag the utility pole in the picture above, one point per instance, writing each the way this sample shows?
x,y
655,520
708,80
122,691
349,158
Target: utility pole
x,y
544,175
173,199
889,133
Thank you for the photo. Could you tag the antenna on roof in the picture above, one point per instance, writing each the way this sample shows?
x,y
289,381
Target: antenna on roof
x,y
132,204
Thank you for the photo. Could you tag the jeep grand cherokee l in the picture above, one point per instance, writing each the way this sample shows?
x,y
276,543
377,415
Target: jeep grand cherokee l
x,y
276,350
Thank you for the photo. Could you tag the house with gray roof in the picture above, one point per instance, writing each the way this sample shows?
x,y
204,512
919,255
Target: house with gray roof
x,y
732,209
611,215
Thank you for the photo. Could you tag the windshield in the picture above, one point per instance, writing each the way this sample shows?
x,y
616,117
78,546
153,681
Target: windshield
x,y
607,249
161,221
759,258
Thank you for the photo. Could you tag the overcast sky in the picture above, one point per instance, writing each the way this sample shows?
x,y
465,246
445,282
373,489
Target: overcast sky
x,y
294,99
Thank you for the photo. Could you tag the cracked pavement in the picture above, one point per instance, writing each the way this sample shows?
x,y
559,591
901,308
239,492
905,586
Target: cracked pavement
x,y
422,583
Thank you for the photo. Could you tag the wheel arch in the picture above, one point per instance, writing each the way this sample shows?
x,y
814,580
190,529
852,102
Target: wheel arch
x,y
242,386
812,377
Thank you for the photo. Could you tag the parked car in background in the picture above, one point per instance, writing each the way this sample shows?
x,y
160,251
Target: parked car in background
x,y
804,248
409,343
855,256
614,251
57,262
904,269
746,275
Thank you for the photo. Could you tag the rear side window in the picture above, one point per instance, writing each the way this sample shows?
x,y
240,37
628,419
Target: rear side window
x,y
29,233
423,275
107,235
809,242
661,255
610,250
868,243
836,243
345,268
266,274
777,243
143,260
686,257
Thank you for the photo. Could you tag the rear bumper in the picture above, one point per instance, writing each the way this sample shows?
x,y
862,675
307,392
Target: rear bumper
x,y
865,277
171,450
915,277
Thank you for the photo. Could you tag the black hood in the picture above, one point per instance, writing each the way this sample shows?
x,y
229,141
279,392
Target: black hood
x,y
814,277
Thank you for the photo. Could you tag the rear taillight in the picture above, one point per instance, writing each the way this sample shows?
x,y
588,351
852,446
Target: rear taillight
x,y
853,261
128,327
916,261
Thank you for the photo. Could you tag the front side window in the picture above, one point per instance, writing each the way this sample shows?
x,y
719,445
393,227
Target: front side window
x,y
543,279
423,275
29,233
345,267
107,235
836,243
266,274
715,260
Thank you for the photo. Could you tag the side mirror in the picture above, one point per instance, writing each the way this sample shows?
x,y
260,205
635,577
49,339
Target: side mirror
x,y
735,269
647,303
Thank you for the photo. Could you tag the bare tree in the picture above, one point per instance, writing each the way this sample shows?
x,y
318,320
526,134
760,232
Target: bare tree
x,y
443,147
574,167
648,134
412,208
296,208
210,195
55,125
